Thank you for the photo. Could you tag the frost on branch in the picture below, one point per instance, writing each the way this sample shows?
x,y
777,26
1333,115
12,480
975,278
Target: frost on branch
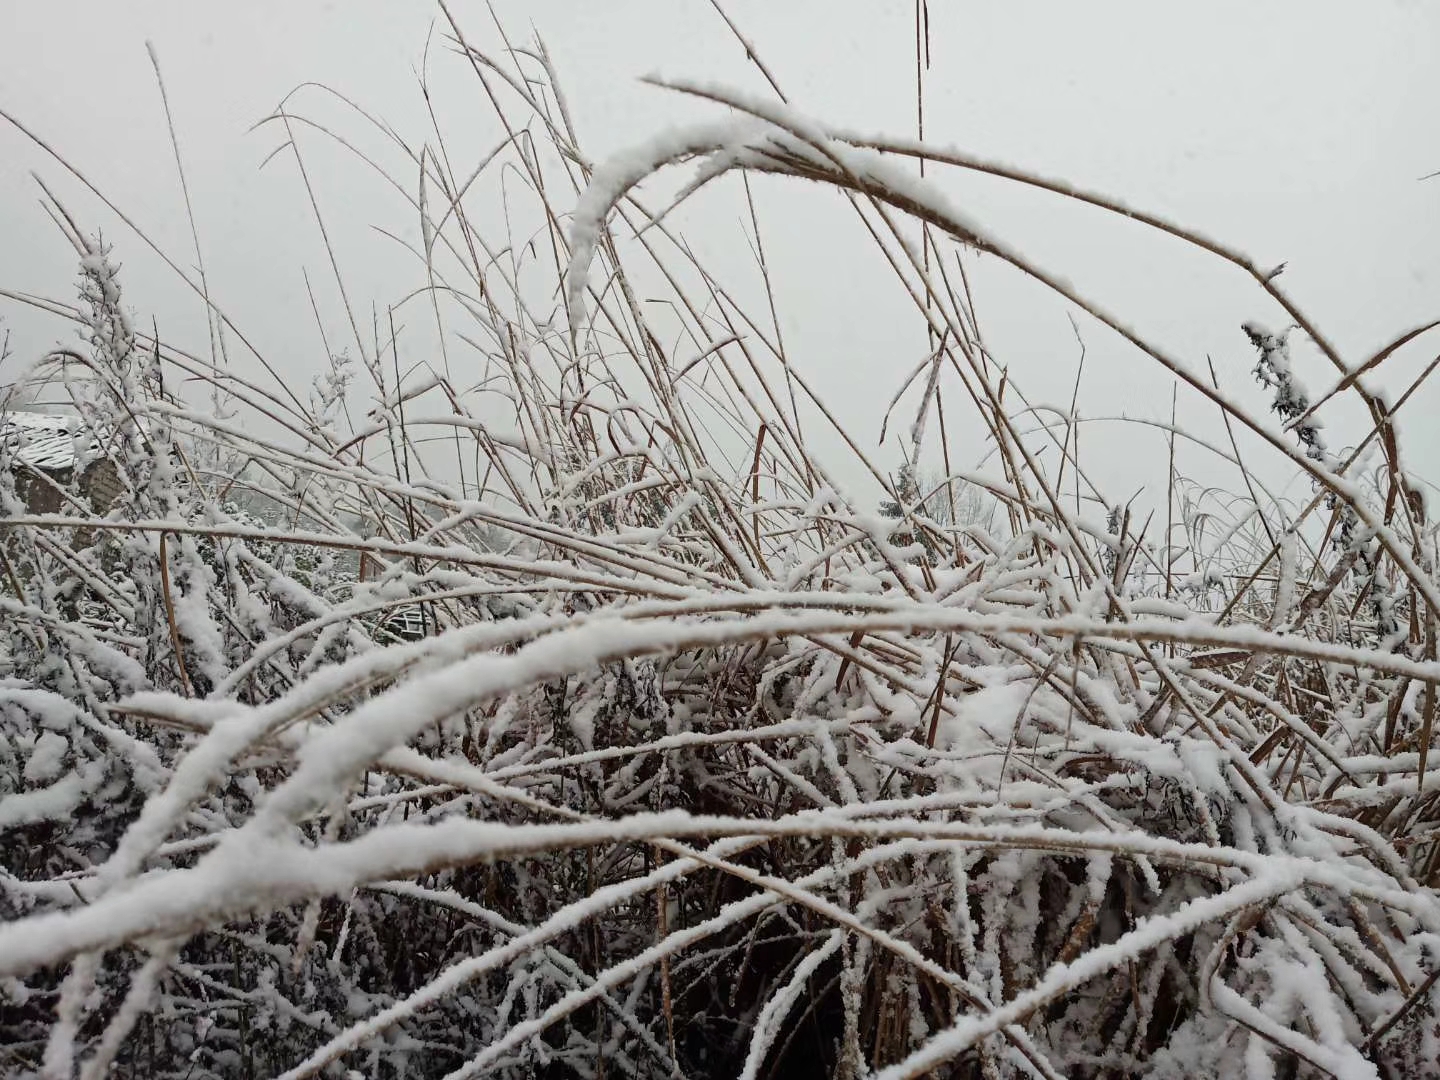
x,y
1291,401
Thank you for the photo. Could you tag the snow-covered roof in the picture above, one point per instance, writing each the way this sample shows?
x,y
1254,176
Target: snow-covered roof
x,y
43,441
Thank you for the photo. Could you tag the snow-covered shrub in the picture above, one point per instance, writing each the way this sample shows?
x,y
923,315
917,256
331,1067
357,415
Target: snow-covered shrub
x,y
683,762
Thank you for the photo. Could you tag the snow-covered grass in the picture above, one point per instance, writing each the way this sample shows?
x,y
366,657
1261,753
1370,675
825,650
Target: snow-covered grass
x,y
612,730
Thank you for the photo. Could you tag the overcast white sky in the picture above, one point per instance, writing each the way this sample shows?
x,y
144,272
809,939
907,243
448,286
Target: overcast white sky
x,y
1296,130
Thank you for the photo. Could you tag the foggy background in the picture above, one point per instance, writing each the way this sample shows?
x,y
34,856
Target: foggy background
x,y
1296,131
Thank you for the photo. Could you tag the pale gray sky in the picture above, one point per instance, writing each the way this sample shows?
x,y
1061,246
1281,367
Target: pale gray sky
x,y
1295,130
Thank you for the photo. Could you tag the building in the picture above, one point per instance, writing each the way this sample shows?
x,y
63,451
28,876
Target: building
x,y
44,452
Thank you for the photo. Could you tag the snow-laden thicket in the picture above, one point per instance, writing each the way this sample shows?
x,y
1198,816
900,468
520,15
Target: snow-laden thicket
x,y
613,738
